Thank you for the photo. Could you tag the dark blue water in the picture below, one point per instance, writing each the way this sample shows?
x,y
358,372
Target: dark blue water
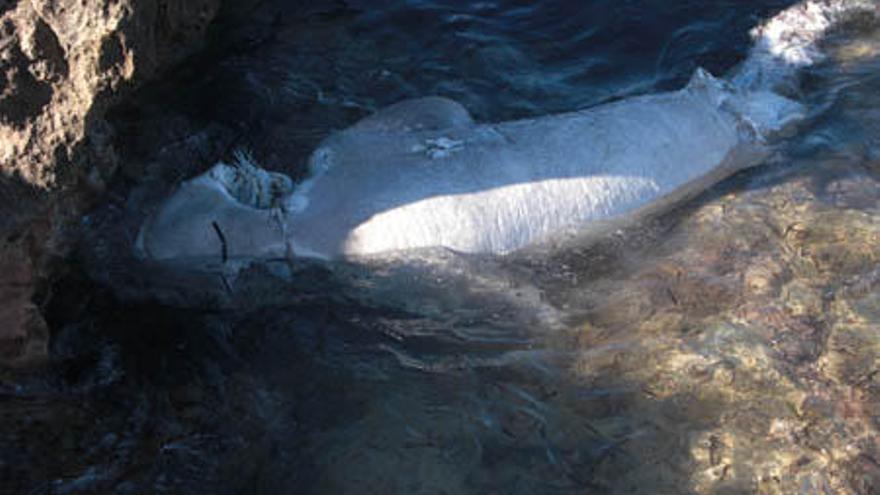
x,y
728,349
322,71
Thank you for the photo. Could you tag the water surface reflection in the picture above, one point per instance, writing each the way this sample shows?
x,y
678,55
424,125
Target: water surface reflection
x,y
728,347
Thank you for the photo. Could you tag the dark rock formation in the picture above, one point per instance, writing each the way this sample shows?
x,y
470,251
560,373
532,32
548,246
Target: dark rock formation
x,y
63,64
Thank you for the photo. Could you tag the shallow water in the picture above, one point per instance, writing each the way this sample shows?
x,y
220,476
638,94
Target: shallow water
x,y
730,346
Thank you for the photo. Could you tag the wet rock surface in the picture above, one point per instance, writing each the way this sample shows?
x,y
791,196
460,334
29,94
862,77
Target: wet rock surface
x,y
737,356
750,333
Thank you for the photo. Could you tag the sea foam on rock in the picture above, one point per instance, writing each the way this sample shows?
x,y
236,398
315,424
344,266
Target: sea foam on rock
x,y
436,179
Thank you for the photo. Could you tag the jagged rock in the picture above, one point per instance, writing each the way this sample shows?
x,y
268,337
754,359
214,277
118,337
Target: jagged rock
x,y
62,65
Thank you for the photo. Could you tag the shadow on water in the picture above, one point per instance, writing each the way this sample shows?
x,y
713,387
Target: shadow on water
x,y
677,374
728,347
309,400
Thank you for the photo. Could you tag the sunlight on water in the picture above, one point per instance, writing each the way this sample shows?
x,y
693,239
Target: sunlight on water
x,y
729,346
734,353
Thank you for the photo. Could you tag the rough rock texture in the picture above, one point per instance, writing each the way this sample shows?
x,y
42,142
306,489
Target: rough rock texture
x,y
24,333
63,62
731,349
62,65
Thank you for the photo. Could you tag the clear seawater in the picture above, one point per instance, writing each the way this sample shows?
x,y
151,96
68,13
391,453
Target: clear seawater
x,y
729,347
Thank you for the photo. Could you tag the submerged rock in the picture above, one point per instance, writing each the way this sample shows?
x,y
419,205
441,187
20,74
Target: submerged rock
x,y
437,179
730,348
769,384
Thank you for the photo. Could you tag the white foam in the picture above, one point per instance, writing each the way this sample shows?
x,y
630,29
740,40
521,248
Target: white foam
x,y
503,186
422,174
251,185
791,41
499,220
478,188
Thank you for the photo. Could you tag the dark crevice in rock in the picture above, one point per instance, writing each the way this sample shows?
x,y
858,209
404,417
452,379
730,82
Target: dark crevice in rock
x,y
22,96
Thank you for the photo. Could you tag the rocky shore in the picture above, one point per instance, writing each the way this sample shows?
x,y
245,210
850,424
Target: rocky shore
x,y
63,65
731,347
